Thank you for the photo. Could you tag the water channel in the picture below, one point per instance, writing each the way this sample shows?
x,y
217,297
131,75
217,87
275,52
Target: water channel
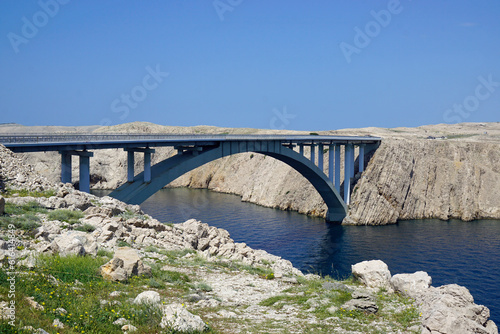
x,y
465,253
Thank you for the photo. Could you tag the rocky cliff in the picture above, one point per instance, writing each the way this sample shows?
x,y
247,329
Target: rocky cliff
x,y
439,171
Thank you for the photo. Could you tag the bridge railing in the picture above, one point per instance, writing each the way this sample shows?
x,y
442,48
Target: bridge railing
x,y
89,138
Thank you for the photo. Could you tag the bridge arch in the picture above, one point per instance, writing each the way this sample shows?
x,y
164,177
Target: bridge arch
x,y
171,168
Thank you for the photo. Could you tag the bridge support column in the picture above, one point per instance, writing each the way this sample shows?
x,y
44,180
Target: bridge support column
x,y
331,156
301,149
147,163
147,167
337,167
361,158
313,154
348,171
84,179
85,173
320,156
130,166
65,167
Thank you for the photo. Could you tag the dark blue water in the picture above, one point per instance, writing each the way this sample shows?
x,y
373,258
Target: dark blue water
x,y
466,253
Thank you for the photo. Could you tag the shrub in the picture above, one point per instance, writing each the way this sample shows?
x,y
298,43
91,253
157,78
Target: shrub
x,y
64,215
86,228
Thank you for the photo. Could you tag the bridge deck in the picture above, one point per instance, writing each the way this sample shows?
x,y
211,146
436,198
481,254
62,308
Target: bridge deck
x,y
42,142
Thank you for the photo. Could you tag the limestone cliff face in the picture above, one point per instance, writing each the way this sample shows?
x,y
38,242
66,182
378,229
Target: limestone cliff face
x,y
409,176
413,179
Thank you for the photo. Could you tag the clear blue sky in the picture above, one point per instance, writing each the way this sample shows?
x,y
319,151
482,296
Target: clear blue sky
x,y
305,65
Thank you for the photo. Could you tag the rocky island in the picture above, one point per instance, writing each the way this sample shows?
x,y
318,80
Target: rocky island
x,y
76,263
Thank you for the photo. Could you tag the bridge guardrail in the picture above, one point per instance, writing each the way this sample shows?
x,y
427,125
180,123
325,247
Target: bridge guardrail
x,y
88,138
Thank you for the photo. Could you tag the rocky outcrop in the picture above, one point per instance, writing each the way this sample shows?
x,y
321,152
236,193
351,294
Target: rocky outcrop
x,y
176,317
448,309
417,179
212,241
15,174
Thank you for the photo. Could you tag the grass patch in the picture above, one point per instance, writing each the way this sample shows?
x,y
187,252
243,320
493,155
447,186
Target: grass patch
x,y
72,267
26,193
83,302
121,243
131,214
22,216
85,228
202,286
64,215
105,253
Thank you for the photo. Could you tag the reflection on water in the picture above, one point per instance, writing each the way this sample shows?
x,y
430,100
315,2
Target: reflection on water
x,y
466,253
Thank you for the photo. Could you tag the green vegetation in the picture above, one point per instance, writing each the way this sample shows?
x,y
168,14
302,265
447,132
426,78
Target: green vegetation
x,y
311,296
25,193
130,214
121,243
22,216
73,284
460,136
85,228
64,215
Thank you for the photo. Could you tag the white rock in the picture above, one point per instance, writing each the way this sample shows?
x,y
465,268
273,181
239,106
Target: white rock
x,y
148,297
120,321
411,285
176,317
57,323
129,328
373,274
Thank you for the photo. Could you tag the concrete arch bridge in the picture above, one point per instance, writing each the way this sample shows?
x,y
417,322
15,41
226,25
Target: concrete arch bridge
x,y
196,150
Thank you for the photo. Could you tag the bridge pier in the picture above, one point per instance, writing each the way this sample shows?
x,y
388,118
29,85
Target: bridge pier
x,y
131,162
348,171
320,156
313,154
84,179
65,167
337,168
361,158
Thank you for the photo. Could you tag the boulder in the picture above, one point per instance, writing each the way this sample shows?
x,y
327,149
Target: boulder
x,y
177,318
74,242
450,309
373,274
411,285
125,264
148,297
113,270
361,301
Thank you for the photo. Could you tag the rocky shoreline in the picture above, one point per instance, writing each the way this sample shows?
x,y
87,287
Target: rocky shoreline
x,y
194,277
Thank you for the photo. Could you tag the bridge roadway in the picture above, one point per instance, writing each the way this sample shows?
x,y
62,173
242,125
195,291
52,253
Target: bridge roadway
x,y
196,150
